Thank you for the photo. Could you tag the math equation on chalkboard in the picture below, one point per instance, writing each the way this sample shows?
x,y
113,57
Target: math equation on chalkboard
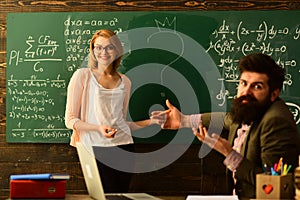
x,y
189,57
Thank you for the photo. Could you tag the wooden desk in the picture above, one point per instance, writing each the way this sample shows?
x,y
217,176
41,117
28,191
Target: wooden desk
x,y
86,197
172,197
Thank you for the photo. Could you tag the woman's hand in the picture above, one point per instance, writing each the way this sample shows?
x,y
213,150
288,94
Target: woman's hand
x,y
108,131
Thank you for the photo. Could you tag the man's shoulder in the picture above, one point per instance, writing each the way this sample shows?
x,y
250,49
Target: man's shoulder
x,y
279,109
279,105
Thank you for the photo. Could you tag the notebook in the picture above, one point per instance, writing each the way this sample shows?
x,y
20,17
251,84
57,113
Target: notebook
x,y
93,181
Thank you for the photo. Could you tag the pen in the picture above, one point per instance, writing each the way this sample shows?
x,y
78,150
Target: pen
x,y
265,168
283,171
279,165
275,167
288,169
110,131
273,172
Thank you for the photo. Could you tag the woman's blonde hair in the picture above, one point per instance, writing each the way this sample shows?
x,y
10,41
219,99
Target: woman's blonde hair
x,y
92,61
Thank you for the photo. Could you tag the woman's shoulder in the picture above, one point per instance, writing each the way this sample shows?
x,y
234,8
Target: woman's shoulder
x,y
82,72
81,75
125,79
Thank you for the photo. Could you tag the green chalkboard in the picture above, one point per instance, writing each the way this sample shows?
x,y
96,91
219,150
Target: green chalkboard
x,y
187,57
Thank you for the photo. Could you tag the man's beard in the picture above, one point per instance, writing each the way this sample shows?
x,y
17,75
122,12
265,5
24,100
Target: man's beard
x,y
250,111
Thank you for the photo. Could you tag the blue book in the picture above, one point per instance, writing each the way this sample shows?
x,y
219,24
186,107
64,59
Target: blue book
x,y
46,176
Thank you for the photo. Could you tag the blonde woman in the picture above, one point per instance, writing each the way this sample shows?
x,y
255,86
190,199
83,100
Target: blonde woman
x,y
97,103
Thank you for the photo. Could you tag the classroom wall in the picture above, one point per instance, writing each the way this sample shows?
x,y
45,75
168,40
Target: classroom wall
x,y
187,175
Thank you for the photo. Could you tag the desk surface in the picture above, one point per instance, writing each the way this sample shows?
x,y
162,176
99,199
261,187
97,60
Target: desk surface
x,y
86,197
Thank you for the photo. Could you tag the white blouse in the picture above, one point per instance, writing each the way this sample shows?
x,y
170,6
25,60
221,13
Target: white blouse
x,y
105,107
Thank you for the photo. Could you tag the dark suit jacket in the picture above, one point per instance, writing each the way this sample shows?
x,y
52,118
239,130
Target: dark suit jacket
x,y
275,136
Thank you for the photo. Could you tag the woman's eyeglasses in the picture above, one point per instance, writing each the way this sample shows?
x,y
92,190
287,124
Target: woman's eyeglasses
x,y
108,49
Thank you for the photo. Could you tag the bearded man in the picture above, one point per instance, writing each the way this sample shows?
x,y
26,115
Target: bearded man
x,y
260,128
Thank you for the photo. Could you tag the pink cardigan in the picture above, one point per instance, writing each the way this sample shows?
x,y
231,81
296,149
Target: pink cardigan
x,y
77,100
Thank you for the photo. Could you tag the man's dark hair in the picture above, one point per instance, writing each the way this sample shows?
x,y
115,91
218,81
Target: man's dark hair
x,y
261,63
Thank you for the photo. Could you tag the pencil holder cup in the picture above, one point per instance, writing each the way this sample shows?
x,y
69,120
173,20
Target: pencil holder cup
x,y
297,182
274,187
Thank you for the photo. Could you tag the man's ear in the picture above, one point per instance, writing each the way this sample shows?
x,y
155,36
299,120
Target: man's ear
x,y
275,94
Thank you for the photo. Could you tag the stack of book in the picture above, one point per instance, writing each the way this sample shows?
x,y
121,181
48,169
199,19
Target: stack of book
x,y
42,186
